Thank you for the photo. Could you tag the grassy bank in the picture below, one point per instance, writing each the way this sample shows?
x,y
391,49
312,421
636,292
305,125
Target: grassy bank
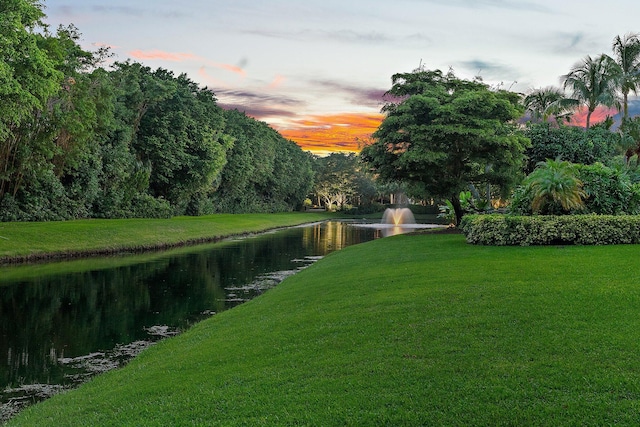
x,y
409,330
41,240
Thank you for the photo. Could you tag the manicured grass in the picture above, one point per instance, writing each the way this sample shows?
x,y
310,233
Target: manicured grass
x,y
33,240
408,330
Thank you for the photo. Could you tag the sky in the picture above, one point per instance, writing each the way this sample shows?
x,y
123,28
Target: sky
x,y
317,70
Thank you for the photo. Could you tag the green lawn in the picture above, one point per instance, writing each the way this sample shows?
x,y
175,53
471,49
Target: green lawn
x,y
37,239
409,330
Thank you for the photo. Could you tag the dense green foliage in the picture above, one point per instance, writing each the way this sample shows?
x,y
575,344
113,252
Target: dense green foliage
x,y
445,134
80,141
443,333
501,230
569,143
603,190
264,171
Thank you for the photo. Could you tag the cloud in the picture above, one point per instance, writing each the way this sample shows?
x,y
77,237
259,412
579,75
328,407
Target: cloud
x,y
579,118
498,4
247,96
156,54
259,105
139,12
202,72
488,70
258,112
346,36
162,55
322,134
562,43
233,68
358,95
276,82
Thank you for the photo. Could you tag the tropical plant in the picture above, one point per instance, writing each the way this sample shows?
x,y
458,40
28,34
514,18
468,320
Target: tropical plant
x,y
555,181
593,83
548,102
626,50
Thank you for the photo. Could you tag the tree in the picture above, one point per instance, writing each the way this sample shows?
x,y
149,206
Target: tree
x,y
264,171
28,77
176,130
549,102
593,82
446,133
626,50
335,180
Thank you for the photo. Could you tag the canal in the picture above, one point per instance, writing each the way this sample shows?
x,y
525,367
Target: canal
x,y
62,323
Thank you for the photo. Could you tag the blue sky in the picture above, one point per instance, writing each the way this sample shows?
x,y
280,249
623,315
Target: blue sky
x,y
316,70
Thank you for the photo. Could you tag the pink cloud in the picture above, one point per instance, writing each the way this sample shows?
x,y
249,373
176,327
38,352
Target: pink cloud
x,y
159,54
229,67
277,81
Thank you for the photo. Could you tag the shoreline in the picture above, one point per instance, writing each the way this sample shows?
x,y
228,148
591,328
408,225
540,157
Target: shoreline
x,y
95,238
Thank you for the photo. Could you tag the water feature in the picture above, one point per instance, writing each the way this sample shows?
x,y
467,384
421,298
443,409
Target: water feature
x,y
398,216
62,323
397,221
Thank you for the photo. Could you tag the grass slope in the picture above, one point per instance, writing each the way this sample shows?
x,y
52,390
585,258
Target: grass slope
x,y
23,241
409,330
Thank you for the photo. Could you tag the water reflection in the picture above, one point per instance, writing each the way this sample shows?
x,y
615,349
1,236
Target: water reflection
x,y
49,321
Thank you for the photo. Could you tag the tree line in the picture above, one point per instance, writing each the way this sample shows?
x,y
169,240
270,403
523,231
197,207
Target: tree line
x,y
81,141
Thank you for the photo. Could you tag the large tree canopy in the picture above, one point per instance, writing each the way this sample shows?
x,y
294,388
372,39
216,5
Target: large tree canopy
x,y
446,133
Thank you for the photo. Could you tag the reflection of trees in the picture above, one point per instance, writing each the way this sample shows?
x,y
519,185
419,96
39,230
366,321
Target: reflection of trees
x,y
70,315
325,239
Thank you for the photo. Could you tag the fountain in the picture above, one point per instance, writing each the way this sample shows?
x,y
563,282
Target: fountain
x,y
398,216
397,221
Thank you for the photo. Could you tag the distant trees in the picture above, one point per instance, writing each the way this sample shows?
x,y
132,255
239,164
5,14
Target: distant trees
x,y
264,171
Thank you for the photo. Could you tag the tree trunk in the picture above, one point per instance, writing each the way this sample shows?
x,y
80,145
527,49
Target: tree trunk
x,y
457,208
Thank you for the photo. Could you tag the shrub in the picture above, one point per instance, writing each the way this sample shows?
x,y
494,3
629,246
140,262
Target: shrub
x,y
608,191
569,143
503,230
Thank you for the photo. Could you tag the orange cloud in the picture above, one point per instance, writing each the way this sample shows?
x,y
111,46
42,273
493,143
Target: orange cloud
x,y
159,54
229,67
579,118
324,134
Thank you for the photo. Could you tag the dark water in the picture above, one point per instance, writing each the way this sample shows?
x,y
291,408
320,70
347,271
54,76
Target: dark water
x,y
58,329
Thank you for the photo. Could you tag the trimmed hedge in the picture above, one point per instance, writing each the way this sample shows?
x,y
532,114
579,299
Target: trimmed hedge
x,y
504,230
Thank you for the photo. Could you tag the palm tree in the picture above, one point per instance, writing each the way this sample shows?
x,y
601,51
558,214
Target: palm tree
x,y
593,82
549,102
627,56
555,181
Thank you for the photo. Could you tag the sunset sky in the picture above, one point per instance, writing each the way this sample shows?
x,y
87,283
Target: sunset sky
x,y
316,70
